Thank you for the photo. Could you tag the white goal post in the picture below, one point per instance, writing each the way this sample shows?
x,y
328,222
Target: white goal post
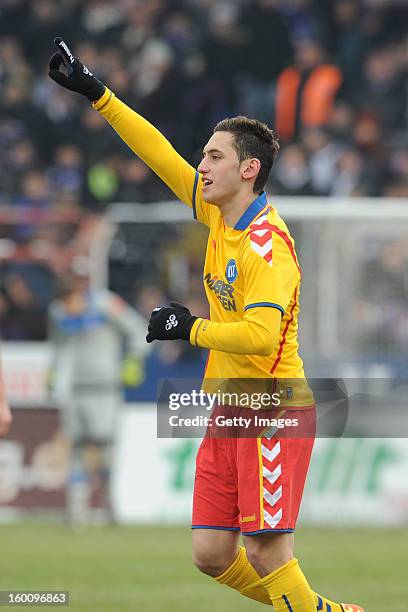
x,y
351,252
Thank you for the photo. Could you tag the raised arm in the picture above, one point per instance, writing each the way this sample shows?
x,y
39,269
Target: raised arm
x,y
151,146
142,137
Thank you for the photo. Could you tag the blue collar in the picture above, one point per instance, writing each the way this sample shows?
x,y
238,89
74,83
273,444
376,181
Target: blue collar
x,y
251,212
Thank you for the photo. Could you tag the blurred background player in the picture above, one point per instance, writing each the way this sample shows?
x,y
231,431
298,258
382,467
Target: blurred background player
x,y
98,344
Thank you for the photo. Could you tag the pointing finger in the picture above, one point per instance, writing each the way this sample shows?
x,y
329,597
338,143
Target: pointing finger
x,y
65,52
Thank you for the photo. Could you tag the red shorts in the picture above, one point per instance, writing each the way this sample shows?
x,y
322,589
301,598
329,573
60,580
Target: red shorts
x,y
253,484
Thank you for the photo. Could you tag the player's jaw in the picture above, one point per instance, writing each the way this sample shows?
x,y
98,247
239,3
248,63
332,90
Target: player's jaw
x,y
219,189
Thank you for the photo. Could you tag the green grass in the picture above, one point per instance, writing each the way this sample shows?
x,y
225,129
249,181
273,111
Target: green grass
x,y
149,570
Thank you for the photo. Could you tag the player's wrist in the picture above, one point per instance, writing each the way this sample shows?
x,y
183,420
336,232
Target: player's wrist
x,y
96,90
195,328
103,99
187,327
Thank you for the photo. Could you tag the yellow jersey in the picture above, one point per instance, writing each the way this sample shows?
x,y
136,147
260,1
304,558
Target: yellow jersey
x,y
252,266
250,269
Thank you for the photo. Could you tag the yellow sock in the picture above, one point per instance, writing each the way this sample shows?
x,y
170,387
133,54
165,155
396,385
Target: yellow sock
x,y
288,589
242,577
325,605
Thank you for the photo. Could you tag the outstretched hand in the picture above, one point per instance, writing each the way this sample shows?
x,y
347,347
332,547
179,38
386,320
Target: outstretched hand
x,y
77,78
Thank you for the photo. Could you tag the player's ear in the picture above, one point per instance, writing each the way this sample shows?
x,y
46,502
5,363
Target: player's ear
x,y
250,168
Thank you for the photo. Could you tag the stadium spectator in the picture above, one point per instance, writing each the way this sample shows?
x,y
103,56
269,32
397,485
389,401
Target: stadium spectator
x,y
340,123
382,311
17,161
349,177
306,18
266,52
142,24
22,316
323,153
159,80
369,141
102,183
42,19
383,88
222,51
93,140
292,174
35,191
348,41
136,183
305,91
66,174
399,164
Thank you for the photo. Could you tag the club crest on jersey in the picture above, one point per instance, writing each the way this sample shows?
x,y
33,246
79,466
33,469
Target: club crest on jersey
x,y
231,272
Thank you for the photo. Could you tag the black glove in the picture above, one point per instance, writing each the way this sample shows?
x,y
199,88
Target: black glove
x,y
172,322
79,78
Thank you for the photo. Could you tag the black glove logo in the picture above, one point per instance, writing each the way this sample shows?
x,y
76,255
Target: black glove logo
x,y
171,322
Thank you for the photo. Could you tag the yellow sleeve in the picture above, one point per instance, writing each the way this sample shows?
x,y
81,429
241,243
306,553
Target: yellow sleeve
x,y
271,270
257,334
156,151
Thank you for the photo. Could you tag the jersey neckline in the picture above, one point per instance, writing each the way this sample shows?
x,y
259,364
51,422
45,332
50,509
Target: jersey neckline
x,y
251,212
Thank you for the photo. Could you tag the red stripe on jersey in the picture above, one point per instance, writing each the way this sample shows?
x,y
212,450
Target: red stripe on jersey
x,y
206,363
274,228
268,256
285,331
261,240
286,238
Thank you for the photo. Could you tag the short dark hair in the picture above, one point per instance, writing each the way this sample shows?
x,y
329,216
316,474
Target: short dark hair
x,y
252,138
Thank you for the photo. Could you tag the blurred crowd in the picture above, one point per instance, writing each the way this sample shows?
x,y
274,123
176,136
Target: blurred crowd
x,y
329,75
379,327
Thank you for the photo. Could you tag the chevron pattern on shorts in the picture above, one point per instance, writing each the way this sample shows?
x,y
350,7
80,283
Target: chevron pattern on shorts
x,y
272,483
